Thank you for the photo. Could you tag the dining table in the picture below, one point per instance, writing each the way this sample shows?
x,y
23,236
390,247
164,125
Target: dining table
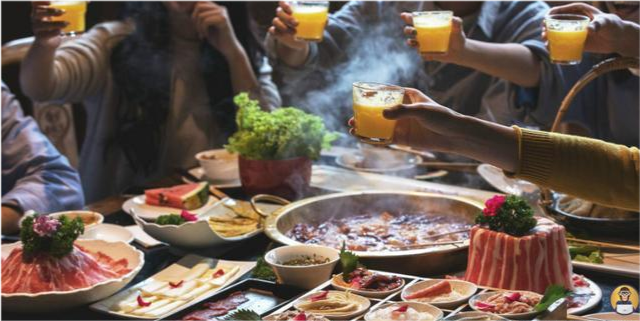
x,y
159,257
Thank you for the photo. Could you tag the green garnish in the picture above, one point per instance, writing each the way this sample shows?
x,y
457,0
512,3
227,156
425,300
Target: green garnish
x,y
243,315
348,261
281,134
552,294
263,270
585,253
508,214
44,235
170,219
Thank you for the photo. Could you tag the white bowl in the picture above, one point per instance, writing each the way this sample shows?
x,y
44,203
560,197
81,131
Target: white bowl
x,y
109,233
363,304
420,307
306,277
59,300
466,289
223,166
197,234
338,283
511,316
86,216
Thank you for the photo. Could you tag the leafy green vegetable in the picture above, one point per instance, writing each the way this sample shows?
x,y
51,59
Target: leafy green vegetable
x,y
58,244
170,219
348,261
552,294
594,257
263,271
243,315
514,216
281,134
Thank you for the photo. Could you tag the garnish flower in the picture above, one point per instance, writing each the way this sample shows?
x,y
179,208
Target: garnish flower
x,y
188,216
493,205
45,226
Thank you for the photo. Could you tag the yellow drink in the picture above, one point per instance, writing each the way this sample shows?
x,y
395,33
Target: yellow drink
x,y
433,30
311,21
566,35
566,46
74,15
369,101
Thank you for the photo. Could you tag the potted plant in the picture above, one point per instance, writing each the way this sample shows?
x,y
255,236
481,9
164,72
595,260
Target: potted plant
x,y
276,148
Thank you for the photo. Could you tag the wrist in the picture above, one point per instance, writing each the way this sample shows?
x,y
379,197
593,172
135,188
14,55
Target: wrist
x,y
466,53
234,53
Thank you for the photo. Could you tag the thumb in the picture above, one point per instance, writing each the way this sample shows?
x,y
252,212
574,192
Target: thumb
x,y
456,24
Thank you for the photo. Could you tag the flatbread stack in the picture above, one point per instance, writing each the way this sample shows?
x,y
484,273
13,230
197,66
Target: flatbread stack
x,y
244,220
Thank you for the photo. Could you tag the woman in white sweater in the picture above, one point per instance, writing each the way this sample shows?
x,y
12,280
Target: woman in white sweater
x,y
157,86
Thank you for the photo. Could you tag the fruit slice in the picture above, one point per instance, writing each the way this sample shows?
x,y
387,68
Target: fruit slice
x,y
187,196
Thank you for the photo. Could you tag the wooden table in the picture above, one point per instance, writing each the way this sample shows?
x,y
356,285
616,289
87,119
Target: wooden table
x,y
160,257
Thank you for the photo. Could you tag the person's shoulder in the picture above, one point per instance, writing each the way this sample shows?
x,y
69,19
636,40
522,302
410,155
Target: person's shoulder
x,y
103,34
115,28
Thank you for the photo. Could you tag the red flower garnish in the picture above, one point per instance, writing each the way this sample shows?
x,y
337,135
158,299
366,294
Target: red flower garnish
x,y
176,285
512,297
487,307
300,317
188,216
355,283
578,281
321,296
402,309
142,303
493,205
218,273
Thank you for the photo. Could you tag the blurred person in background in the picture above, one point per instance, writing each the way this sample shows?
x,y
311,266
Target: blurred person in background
x,y
609,107
34,174
604,173
495,61
157,86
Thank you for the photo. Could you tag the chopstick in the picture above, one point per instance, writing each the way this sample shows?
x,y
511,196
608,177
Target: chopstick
x,y
409,150
604,244
463,167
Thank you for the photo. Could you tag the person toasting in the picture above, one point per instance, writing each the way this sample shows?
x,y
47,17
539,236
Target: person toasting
x,y
157,86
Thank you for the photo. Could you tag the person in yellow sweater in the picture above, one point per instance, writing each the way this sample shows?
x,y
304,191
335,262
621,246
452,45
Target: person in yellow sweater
x,y
591,169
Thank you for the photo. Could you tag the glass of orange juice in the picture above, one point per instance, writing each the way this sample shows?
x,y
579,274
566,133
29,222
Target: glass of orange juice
x,y
433,30
566,34
369,100
74,13
312,17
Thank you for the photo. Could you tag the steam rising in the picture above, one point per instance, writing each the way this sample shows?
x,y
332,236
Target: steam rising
x,y
379,54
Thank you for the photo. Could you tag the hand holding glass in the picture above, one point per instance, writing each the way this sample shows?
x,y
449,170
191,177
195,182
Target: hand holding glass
x,y
369,101
433,30
566,34
74,14
312,17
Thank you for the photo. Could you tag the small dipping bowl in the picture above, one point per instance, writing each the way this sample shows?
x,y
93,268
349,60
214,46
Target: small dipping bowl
x,y
218,164
302,276
89,218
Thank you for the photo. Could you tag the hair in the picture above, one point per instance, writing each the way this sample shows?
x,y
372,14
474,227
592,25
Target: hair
x,y
141,66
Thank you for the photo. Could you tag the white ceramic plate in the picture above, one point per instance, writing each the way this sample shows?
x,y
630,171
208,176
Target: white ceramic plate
x,y
198,172
173,271
151,213
59,300
109,233
510,316
466,289
363,302
198,234
594,300
336,280
496,178
436,313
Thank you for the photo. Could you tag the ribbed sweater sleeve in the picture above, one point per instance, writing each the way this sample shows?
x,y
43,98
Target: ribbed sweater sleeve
x,y
604,173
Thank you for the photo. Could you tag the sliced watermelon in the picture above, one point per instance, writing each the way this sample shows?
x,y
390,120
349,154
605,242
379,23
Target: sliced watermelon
x,y
187,196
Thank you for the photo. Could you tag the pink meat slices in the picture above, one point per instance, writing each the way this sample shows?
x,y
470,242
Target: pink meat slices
x,y
80,269
217,308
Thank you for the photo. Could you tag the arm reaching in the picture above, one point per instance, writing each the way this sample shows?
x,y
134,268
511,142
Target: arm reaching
x,y
569,164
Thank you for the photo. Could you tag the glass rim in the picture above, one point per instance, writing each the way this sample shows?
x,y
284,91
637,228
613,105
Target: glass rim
x,y
578,17
432,12
310,3
385,87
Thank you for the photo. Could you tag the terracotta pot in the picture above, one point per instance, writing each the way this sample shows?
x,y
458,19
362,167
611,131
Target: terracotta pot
x,y
288,178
